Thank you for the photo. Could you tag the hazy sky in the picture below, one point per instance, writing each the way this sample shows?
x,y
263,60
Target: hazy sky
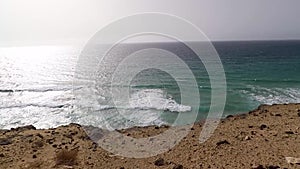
x,y
44,21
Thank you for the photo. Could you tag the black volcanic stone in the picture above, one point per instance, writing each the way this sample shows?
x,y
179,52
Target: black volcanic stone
x,y
159,162
222,142
259,167
263,126
4,141
289,132
273,167
178,166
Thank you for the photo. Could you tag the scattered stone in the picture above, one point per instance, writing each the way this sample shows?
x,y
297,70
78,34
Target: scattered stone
x,y
222,142
159,162
292,160
178,166
1,155
278,115
38,144
34,156
247,138
263,126
273,167
289,132
4,141
229,116
258,167
50,141
40,136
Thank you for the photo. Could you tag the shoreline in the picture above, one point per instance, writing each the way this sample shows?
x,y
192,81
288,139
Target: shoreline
x,y
261,138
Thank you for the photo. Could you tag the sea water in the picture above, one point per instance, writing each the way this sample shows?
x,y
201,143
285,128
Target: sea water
x,y
41,85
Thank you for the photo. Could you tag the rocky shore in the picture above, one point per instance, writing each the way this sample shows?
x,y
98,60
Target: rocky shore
x,y
268,137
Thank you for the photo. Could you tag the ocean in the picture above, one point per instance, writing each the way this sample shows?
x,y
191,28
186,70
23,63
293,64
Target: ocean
x,y
41,85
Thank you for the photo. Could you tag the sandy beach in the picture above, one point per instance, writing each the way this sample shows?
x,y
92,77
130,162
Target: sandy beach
x,y
268,137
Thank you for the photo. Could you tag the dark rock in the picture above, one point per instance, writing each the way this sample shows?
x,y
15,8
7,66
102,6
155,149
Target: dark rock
x,y
298,113
278,115
178,166
73,133
242,116
34,156
1,155
229,116
259,167
247,138
59,106
40,136
192,128
6,91
122,168
4,141
222,142
289,132
68,135
156,127
24,128
273,167
50,141
159,162
263,126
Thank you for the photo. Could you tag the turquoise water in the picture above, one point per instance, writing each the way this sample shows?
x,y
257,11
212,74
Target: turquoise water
x,y
48,86
263,72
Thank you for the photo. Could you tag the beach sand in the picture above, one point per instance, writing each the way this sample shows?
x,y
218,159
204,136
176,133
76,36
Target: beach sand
x,y
262,138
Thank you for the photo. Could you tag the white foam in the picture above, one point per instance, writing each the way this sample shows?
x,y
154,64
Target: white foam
x,y
143,108
155,99
273,96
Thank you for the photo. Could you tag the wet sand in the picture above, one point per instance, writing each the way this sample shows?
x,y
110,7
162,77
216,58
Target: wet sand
x,y
262,138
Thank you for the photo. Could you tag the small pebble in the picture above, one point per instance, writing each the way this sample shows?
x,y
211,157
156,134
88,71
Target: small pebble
x,y
289,132
159,162
258,167
222,142
178,166
263,126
